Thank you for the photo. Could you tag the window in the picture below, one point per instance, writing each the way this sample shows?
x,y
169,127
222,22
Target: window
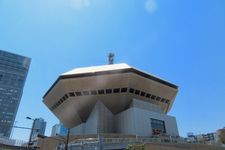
x,y
78,93
85,92
101,92
64,98
142,93
148,95
72,94
131,90
158,98
163,100
123,90
137,92
93,92
158,127
167,101
108,91
117,90
153,97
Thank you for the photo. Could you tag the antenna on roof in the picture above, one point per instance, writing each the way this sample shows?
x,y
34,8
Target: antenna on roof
x,y
111,58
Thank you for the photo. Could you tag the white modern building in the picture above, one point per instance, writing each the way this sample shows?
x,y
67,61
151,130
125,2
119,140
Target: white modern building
x,y
59,129
116,99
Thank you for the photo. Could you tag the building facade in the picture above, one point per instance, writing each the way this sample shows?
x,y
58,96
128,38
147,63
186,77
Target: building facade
x,y
39,126
13,73
139,119
113,99
59,129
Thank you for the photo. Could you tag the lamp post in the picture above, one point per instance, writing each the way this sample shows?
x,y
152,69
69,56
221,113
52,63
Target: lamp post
x,y
29,142
67,139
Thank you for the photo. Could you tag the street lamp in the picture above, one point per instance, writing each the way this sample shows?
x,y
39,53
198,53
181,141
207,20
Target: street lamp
x,y
67,138
29,143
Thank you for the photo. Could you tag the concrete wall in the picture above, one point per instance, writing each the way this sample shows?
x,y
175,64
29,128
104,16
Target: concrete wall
x,y
147,106
100,119
138,122
78,130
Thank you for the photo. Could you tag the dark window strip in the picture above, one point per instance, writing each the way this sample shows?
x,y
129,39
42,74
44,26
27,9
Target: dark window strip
x,y
86,93
158,98
116,90
101,91
93,92
131,90
71,94
78,93
123,90
109,91
137,92
142,93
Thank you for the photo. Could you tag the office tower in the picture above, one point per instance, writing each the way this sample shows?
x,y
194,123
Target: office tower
x,y
13,73
39,126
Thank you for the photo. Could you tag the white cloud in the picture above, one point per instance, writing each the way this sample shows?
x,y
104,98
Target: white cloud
x,y
151,6
79,4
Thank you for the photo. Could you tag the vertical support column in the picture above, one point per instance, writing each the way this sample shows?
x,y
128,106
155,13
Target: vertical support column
x,y
67,139
31,133
100,128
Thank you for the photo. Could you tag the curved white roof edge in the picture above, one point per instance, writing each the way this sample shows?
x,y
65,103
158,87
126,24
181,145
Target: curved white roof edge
x,y
97,69
93,69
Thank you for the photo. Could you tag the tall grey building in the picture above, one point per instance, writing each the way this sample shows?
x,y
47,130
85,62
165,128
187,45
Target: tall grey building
x,y
39,125
13,73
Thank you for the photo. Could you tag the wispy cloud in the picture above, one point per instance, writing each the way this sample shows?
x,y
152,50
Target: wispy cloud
x,y
151,6
79,4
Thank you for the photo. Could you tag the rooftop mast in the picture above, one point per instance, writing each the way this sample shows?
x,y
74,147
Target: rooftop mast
x,y
111,58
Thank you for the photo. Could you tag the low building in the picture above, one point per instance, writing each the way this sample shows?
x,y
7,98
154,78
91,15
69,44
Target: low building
x,y
213,138
221,136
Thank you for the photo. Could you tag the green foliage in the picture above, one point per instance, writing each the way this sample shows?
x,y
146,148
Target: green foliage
x,y
135,147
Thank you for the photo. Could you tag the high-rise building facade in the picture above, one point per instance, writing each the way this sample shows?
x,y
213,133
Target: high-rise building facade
x,y
59,129
13,73
39,126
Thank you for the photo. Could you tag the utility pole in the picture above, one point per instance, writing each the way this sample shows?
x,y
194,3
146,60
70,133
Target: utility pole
x,y
31,133
67,139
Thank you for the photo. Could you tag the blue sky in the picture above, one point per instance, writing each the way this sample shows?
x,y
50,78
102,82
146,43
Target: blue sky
x,y
180,41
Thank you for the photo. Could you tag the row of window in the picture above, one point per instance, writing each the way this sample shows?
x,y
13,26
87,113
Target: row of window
x,y
110,91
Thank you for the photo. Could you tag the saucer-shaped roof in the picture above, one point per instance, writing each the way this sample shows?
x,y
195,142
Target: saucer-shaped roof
x,y
72,97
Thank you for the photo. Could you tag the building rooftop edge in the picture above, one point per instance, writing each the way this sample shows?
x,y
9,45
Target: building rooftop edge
x,y
16,54
108,69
